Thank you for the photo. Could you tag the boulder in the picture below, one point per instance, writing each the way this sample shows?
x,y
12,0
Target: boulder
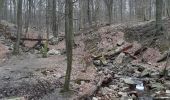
x,y
119,59
97,62
129,81
146,73
120,94
120,42
157,86
53,41
95,98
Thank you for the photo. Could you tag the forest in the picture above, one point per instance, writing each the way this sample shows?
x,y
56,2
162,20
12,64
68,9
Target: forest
x,y
84,49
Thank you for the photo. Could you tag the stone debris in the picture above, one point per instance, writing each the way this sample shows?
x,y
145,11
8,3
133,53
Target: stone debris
x,y
53,52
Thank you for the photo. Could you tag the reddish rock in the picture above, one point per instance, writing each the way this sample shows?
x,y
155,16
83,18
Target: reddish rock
x,y
151,55
136,47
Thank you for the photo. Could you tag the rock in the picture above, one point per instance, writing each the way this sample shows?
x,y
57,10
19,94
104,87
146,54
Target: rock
x,y
113,87
97,62
94,98
155,75
157,86
168,91
140,87
141,68
103,91
119,59
129,81
125,88
6,23
82,82
125,98
145,73
122,94
10,47
57,75
120,42
14,98
53,52
103,60
53,41
151,55
106,90
167,84
6,77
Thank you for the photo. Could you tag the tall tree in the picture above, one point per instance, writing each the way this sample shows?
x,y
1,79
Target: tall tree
x,y
69,41
121,10
47,28
15,10
29,15
109,5
89,12
54,25
168,8
150,9
1,6
19,28
158,15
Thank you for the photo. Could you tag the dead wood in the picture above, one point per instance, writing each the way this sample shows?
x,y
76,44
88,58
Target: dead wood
x,y
112,53
140,50
28,39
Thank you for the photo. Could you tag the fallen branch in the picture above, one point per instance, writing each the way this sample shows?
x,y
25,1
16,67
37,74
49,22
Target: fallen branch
x,y
140,50
28,39
112,53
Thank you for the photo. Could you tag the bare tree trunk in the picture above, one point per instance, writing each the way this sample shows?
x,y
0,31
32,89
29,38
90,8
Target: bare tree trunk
x,y
69,41
121,10
150,9
130,9
15,15
81,5
96,11
29,15
109,5
89,12
158,15
54,25
168,8
11,19
5,15
60,7
48,28
19,28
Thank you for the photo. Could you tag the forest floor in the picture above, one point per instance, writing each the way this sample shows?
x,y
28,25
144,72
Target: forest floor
x,y
32,77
